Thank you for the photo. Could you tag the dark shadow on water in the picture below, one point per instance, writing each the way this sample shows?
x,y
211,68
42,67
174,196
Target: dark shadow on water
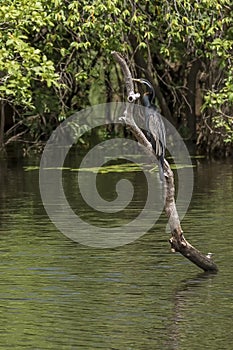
x,y
196,281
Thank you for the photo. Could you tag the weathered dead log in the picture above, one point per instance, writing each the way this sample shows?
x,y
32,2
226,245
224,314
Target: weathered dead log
x,y
177,240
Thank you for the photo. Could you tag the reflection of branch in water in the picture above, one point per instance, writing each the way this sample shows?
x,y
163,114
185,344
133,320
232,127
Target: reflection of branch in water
x,y
183,302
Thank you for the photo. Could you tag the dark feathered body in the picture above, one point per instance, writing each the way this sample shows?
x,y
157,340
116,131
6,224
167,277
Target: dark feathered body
x,y
154,125
155,133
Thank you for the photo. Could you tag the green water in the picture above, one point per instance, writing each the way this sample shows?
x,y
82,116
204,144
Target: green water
x,y
58,294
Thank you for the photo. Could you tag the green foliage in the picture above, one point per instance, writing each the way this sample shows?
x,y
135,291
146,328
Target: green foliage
x,y
53,53
203,30
21,63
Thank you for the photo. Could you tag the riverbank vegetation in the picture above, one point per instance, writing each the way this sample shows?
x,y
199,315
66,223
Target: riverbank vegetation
x,y
55,59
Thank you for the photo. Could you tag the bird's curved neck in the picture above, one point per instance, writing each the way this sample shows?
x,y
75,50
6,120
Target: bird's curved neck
x,y
147,99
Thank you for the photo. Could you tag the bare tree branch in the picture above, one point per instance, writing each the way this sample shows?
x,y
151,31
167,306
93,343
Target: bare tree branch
x,y
177,241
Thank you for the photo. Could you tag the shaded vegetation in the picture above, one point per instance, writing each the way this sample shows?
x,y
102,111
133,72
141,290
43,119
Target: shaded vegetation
x,y
55,58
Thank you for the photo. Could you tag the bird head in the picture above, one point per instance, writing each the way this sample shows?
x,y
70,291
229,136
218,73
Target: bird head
x,y
150,94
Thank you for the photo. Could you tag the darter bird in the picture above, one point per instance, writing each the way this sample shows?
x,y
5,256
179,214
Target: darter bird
x,y
156,133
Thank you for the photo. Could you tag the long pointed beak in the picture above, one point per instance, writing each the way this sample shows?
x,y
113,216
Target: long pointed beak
x,y
138,80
